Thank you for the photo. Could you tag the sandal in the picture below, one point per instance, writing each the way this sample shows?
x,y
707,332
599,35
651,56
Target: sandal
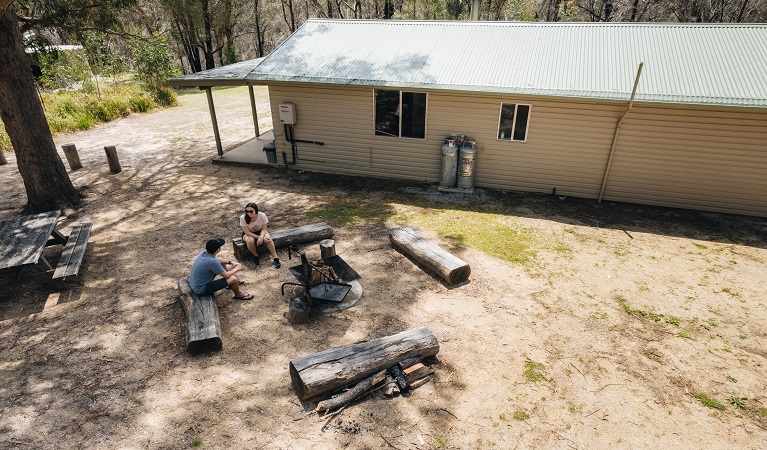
x,y
243,297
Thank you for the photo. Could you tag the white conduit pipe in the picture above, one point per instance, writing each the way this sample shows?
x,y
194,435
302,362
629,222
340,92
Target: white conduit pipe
x,y
617,132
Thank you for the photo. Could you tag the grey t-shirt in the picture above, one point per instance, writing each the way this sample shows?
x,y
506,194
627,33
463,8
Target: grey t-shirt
x,y
203,271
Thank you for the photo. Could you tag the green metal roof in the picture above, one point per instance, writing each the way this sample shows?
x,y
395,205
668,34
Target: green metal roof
x,y
709,64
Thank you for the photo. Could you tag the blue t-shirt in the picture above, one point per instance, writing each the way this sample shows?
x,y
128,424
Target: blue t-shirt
x,y
203,271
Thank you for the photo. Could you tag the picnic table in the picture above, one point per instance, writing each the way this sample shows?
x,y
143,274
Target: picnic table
x,y
23,239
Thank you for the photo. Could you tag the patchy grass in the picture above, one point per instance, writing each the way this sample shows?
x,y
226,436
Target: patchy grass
x,y
641,314
738,402
534,372
352,210
521,416
706,401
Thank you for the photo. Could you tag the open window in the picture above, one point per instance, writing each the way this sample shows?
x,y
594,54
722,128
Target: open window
x,y
512,125
400,114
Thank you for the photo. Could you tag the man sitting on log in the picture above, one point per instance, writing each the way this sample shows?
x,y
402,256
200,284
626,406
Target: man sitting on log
x,y
207,266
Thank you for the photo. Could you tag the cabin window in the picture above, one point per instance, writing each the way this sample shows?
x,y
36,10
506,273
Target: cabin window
x,y
512,125
400,114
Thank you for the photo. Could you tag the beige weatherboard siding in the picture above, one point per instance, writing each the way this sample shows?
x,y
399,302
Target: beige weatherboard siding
x,y
712,159
702,158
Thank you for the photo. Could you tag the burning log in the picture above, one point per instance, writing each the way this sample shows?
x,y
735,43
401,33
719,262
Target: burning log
x,y
334,368
446,265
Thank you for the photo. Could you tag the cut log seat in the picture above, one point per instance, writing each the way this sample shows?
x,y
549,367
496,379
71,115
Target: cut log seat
x,y
331,369
203,328
74,251
284,238
446,265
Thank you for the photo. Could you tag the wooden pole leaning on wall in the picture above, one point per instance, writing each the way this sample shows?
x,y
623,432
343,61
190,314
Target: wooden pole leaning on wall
x,y
112,159
70,151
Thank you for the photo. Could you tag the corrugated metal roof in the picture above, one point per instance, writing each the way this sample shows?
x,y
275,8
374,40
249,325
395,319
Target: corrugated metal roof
x,y
224,75
719,64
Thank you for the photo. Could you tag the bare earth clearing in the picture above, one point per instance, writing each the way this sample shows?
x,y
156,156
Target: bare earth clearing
x,y
599,341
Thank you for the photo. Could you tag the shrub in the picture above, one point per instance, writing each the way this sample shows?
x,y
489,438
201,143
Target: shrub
x,y
165,96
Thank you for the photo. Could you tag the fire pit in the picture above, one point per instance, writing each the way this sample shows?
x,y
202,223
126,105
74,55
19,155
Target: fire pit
x,y
326,282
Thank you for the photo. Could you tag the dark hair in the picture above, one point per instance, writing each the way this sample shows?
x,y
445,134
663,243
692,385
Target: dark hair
x,y
255,208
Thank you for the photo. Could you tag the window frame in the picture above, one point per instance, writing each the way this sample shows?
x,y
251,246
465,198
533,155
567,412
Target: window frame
x,y
399,116
513,122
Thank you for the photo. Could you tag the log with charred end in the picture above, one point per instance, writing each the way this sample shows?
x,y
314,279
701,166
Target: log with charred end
x,y
421,382
331,369
444,264
399,377
390,388
355,392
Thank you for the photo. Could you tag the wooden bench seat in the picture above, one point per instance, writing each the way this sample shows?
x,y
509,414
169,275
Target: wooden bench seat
x,y
203,326
74,251
284,238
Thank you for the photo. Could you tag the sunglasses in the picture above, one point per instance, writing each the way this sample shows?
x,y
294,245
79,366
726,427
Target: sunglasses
x,y
249,211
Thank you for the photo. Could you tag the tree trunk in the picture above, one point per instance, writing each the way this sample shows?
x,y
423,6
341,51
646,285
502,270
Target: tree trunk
x,y
259,32
208,38
46,181
331,369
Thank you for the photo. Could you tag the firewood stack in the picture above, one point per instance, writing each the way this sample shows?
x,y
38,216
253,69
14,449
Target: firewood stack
x,y
406,375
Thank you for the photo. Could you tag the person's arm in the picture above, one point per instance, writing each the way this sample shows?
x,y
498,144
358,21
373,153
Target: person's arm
x,y
247,232
236,267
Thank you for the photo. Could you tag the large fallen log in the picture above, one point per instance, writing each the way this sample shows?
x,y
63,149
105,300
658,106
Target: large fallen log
x,y
284,238
446,265
203,328
331,369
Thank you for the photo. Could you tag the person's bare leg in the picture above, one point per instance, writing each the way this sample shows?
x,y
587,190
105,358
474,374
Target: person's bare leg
x,y
234,283
251,243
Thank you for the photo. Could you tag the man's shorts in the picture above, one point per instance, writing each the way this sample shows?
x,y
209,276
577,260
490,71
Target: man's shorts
x,y
215,285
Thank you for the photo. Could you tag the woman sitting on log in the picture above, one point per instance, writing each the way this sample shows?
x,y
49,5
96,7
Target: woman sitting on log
x,y
254,233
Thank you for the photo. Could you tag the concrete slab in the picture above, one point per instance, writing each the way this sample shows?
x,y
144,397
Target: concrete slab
x,y
248,153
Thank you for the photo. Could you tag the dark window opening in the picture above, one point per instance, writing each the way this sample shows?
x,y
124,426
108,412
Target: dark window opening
x,y
512,125
400,114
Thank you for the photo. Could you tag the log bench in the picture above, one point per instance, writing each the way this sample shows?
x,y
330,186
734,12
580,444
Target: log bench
x,y
446,265
331,369
74,251
203,327
284,238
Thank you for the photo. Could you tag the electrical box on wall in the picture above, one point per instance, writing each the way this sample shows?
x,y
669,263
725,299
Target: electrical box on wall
x,y
288,113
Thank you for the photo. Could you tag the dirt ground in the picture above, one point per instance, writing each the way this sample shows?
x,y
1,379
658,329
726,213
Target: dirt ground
x,y
602,340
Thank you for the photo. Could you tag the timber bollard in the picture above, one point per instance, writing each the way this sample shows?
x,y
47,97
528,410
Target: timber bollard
x,y
112,159
70,151
3,161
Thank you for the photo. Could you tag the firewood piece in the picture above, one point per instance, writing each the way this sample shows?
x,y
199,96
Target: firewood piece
x,y
413,360
390,386
421,382
399,377
360,388
327,248
418,374
444,264
333,368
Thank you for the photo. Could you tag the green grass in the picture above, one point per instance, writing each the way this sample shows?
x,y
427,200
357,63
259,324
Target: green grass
x,y
534,371
656,317
496,234
521,416
196,443
706,401
738,402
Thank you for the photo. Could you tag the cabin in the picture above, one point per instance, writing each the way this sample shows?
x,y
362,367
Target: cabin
x,y
652,113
